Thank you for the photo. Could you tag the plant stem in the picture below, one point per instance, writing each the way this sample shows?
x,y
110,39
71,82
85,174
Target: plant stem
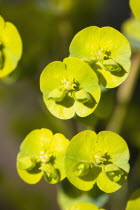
x,y
124,95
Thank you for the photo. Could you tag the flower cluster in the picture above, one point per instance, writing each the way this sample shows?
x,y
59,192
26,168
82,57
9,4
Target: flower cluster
x,y
87,159
98,56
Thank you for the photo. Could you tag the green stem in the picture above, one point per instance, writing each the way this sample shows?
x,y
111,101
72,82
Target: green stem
x,y
124,95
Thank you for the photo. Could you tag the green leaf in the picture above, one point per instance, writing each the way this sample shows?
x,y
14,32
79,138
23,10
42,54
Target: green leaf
x,y
78,83
101,158
10,47
131,29
96,46
134,201
135,6
42,153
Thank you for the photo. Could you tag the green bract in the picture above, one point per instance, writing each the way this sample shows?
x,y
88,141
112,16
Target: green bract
x,y
10,47
101,158
84,206
70,87
68,195
106,50
134,201
135,6
42,153
131,29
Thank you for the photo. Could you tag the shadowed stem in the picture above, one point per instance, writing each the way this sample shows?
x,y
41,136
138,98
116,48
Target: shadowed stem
x,y
124,95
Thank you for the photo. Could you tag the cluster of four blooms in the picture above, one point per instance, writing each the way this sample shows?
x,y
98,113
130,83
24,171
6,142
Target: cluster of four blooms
x,y
98,56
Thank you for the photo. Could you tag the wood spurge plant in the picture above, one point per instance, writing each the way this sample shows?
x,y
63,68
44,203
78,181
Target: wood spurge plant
x,y
98,56
91,160
71,87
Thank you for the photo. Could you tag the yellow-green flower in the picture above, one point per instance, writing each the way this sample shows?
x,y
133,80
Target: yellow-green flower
x,y
106,50
42,153
70,87
101,159
10,47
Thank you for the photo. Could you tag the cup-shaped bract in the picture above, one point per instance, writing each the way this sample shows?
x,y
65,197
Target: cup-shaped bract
x,y
135,6
42,153
101,159
134,201
10,47
131,29
70,87
106,50
83,206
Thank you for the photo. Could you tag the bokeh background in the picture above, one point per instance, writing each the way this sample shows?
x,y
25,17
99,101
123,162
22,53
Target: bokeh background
x,y
47,28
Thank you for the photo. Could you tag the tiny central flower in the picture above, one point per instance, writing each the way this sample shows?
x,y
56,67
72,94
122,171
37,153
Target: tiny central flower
x,y
100,55
98,158
67,85
43,157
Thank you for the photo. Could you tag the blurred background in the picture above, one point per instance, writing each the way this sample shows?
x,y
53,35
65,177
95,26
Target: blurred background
x,y
47,28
